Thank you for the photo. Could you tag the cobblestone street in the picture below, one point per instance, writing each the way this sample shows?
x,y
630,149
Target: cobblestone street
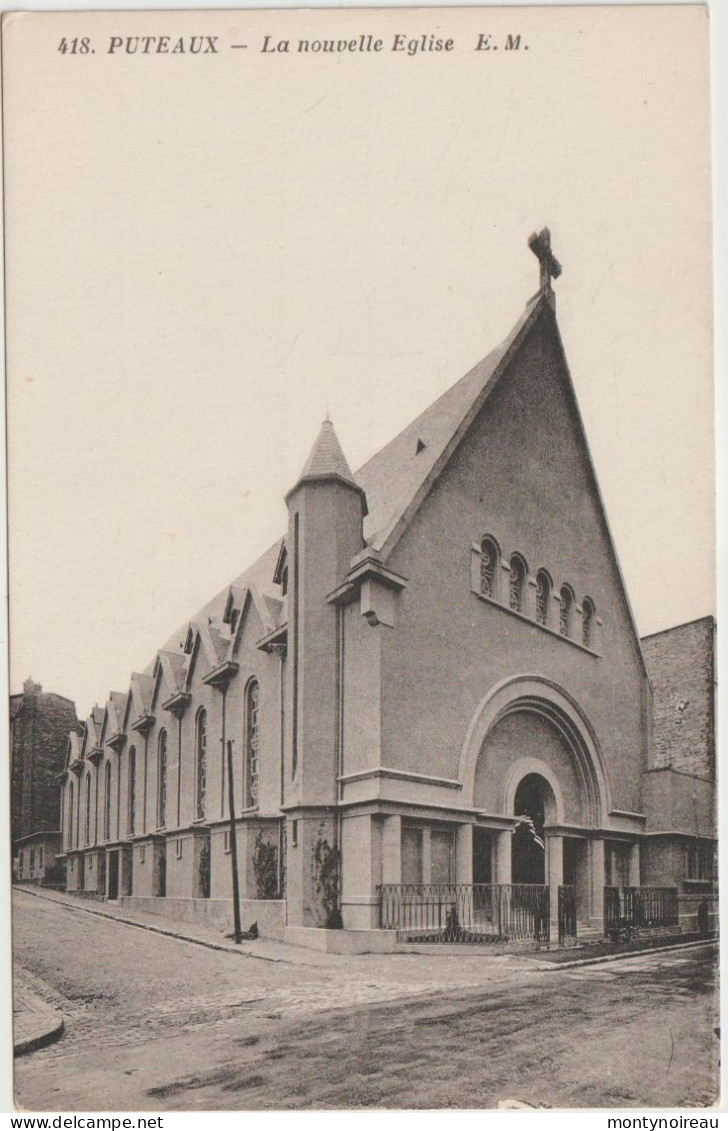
x,y
154,1023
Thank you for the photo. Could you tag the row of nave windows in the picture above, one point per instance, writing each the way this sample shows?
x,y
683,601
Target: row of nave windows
x,y
251,774
517,581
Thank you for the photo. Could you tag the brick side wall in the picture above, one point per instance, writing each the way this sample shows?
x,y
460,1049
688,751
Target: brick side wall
x,y
681,669
39,733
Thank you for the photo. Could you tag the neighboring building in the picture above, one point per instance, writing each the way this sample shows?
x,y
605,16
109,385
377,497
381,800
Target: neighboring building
x,y
433,678
38,857
39,725
680,783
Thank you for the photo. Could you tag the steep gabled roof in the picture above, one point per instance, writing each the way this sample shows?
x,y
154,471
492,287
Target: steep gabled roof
x,y
258,578
401,473
395,482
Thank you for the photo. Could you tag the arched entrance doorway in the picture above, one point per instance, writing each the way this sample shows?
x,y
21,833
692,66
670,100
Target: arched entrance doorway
x,y
534,800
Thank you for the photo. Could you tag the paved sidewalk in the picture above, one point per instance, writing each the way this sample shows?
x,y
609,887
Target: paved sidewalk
x,y
35,1023
267,950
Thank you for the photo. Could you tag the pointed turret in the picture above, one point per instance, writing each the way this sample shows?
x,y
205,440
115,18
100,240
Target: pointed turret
x,y
326,511
327,461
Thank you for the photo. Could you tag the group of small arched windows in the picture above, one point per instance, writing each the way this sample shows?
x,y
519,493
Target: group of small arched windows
x,y
517,587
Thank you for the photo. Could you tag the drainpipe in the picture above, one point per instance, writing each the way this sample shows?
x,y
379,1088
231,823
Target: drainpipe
x,y
237,930
144,801
223,692
179,768
118,799
282,824
96,805
339,741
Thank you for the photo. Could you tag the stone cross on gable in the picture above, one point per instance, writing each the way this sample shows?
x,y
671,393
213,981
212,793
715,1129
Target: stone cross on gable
x,y
540,245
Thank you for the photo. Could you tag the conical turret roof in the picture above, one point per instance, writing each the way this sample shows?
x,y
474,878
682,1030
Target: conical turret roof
x,y
327,461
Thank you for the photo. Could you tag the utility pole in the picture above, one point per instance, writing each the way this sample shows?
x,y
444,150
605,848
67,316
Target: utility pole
x,y
238,932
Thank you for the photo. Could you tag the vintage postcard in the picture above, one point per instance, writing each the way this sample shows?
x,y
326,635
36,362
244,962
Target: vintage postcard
x,y
361,487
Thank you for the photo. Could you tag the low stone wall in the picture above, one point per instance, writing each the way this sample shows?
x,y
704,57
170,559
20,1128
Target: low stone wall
x,y
342,942
216,913
269,914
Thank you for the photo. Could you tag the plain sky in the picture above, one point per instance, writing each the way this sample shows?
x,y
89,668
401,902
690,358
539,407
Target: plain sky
x,y
207,253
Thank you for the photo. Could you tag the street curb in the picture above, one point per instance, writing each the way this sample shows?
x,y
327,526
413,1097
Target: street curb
x,y
40,1040
228,949
647,951
225,947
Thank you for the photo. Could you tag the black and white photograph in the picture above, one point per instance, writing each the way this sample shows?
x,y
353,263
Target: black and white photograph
x,y
361,560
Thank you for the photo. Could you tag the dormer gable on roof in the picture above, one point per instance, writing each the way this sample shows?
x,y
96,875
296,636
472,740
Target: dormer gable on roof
x,y
169,679
112,731
280,573
92,727
73,749
138,704
234,605
188,643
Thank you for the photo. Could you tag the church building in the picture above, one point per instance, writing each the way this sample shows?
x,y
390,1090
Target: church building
x,y
425,711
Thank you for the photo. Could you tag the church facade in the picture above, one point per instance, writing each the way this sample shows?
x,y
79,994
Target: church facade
x,y
430,688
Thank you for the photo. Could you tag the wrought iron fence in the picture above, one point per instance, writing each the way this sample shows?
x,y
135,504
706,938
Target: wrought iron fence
x,y
466,913
567,913
612,909
633,907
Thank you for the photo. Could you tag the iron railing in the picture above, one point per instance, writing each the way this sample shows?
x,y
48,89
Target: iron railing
x,y
466,913
632,907
567,913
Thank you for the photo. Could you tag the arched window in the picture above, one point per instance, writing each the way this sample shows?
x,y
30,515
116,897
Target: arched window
x,y
566,612
517,584
132,789
587,623
107,801
162,779
543,596
87,819
488,568
252,742
201,761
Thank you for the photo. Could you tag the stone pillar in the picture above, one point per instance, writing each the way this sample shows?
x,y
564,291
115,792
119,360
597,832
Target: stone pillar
x,y
634,866
503,849
392,850
464,855
583,882
362,860
555,878
596,911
